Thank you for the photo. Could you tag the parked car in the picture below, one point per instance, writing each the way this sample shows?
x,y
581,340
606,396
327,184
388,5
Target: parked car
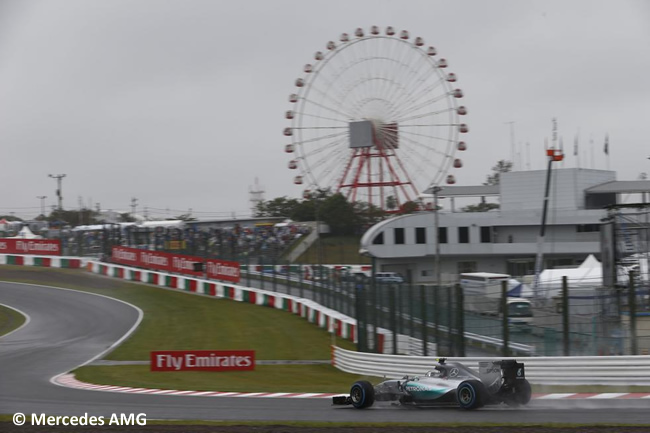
x,y
388,277
354,276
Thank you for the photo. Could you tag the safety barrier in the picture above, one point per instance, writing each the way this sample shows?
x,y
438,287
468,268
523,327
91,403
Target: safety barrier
x,y
43,261
560,370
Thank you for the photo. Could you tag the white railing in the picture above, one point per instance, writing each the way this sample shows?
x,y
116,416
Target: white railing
x,y
560,370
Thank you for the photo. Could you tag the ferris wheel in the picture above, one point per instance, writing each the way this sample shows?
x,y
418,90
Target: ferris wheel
x,y
375,117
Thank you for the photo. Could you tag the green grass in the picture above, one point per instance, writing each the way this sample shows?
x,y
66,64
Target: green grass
x,y
178,321
336,250
265,378
10,320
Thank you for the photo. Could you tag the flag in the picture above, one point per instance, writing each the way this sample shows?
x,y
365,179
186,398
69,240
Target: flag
x,y
606,149
575,146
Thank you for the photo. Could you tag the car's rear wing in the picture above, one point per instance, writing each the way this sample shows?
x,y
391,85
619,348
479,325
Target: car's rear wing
x,y
512,371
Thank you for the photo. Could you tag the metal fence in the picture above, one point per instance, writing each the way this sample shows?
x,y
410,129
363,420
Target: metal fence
x,y
578,320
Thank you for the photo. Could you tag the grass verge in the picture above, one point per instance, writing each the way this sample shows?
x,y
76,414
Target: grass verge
x,y
10,320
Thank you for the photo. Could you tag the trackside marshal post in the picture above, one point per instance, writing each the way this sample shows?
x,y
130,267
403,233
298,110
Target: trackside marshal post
x,y
203,360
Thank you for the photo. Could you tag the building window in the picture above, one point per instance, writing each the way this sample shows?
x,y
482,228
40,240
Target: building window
x,y
442,235
560,263
399,236
420,235
464,267
521,267
486,235
379,239
426,273
463,235
585,228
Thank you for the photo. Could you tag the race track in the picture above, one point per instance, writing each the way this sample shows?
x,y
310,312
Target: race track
x,y
68,328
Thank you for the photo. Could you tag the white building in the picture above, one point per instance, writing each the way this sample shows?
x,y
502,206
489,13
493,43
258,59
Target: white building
x,y
503,240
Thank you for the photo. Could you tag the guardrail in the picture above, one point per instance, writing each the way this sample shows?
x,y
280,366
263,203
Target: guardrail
x,y
560,370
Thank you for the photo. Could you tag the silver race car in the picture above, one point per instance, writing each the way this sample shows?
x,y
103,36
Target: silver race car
x,y
448,384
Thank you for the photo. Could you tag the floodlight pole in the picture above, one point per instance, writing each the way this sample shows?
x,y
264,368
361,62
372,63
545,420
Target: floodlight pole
x,y
436,228
436,224
59,194
42,199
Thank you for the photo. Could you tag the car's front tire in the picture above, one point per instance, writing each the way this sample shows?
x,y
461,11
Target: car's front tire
x,y
362,394
470,394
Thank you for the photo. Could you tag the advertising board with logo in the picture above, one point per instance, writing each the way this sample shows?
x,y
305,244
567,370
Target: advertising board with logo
x,y
177,263
41,247
202,360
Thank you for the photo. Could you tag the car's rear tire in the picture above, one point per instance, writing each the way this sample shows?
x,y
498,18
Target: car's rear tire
x,y
362,394
471,394
523,392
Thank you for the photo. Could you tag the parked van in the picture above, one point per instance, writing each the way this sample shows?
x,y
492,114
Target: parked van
x,y
388,277
482,292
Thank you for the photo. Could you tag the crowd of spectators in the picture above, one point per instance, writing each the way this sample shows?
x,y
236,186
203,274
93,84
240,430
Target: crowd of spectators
x,y
261,242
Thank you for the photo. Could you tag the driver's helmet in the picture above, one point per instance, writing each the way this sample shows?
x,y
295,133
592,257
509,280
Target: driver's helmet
x,y
438,371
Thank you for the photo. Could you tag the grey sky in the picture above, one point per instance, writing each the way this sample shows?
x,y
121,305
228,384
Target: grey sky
x,y
181,103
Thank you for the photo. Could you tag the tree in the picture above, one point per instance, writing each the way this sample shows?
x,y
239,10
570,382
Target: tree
x,y
367,214
183,217
74,217
10,218
339,215
127,218
502,166
278,207
409,207
391,202
481,207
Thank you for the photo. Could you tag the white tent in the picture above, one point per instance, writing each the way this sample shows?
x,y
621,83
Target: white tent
x,y
588,274
26,233
590,262
519,289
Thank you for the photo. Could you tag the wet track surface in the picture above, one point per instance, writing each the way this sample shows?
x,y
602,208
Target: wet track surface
x,y
68,328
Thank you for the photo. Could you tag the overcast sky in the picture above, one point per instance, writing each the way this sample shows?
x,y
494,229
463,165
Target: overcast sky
x,y
180,103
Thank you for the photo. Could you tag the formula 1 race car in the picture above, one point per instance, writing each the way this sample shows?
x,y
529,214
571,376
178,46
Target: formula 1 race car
x,y
448,384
